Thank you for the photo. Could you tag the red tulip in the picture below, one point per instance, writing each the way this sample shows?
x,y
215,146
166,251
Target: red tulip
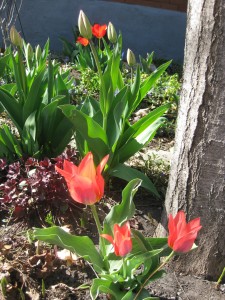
x,y
122,242
85,182
83,41
181,234
99,30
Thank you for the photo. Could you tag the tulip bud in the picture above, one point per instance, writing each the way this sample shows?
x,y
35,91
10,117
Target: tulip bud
x,y
15,37
112,35
84,26
38,52
29,52
131,60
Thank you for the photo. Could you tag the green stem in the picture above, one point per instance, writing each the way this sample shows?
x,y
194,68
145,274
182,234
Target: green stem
x,y
102,83
124,268
94,52
153,273
131,74
98,224
220,278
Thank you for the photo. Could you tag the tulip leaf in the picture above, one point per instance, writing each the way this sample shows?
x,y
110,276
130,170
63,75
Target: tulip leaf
x,y
9,144
3,64
89,129
143,244
143,123
30,126
144,295
12,107
116,124
122,212
36,92
127,173
81,245
145,258
139,243
150,81
105,286
141,137
9,87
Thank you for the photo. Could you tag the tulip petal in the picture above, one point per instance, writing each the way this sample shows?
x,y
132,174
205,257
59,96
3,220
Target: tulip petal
x,y
65,174
102,164
82,190
107,237
86,167
182,234
69,167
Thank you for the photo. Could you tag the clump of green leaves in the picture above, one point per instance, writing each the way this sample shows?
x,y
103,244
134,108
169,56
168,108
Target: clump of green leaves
x,y
32,103
87,85
103,127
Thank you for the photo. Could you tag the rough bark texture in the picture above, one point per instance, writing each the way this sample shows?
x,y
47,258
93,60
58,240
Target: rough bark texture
x,y
197,177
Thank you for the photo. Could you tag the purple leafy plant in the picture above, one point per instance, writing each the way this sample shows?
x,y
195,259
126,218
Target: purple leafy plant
x,y
26,184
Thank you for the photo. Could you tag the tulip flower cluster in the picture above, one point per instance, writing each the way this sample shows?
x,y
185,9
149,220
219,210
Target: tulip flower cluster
x,y
122,250
86,30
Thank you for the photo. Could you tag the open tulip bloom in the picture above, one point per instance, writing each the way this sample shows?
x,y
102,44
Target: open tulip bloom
x,y
182,234
85,182
122,239
83,41
99,30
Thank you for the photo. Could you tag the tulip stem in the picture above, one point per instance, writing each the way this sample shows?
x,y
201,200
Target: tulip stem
x,y
220,278
131,74
124,268
102,83
98,224
153,273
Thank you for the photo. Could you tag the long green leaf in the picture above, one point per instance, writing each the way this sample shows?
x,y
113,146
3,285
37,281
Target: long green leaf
x,y
9,87
127,173
12,107
30,124
105,286
122,212
81,245
148,84
47,118
9,144
35,95
3,64
139,140
90,131
143,123
151,80
62,136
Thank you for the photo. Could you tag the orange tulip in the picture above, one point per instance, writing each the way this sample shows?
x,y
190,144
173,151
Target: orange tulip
x,y
122,242
83,41
181,234
85,182
99,30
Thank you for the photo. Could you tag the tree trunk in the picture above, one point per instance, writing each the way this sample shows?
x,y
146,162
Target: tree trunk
x,y
197,178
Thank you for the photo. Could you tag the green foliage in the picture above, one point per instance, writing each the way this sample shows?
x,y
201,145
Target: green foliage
x,y
32,105
87,86
146,64
103,126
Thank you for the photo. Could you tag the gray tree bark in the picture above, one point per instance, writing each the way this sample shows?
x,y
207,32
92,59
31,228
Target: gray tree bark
x,y
197,178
